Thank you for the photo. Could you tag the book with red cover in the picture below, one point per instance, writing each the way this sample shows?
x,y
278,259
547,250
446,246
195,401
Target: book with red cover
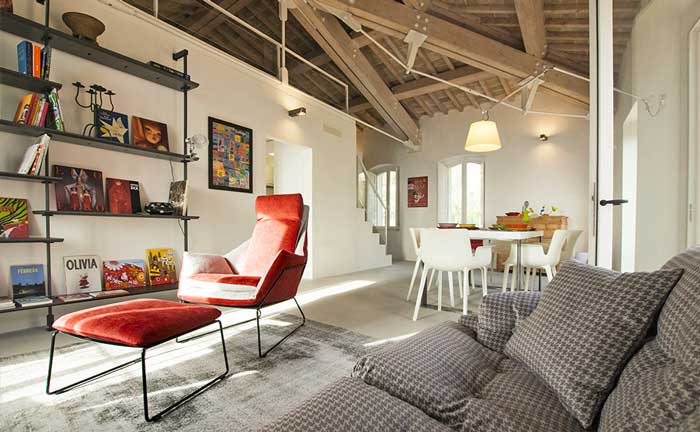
x,y
119,196
122,274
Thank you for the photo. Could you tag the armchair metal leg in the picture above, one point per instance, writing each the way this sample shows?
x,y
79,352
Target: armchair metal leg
x,y
258,314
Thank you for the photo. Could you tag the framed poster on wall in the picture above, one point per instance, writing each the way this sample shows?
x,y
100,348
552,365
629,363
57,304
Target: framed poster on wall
x,y
417,192
230,156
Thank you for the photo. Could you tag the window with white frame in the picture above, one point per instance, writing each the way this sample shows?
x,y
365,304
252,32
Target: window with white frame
x,y
386,181
461,187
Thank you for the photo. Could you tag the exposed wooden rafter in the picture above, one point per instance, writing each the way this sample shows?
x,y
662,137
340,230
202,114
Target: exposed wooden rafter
x,y
457,42
333,39
461,76
531,19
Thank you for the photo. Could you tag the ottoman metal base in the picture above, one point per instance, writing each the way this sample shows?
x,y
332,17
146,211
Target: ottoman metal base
x,y
141,359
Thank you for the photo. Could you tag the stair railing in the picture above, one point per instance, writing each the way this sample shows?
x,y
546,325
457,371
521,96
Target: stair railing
x,y
369,181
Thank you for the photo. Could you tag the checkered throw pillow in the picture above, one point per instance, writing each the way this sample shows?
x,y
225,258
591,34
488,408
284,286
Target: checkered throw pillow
x,y
587,325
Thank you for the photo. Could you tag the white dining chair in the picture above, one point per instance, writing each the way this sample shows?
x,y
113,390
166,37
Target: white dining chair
x,y
450,251
569,250
533,257
415,240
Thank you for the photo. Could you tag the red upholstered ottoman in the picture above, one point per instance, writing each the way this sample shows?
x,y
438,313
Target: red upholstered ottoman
x,y
139,324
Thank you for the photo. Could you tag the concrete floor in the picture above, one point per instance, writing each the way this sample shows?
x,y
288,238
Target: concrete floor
x,y
370,302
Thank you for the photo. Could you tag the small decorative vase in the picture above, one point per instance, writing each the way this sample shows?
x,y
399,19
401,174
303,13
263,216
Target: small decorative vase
x,y
84,26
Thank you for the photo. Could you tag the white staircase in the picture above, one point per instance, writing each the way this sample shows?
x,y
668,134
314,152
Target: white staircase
x,y
370,251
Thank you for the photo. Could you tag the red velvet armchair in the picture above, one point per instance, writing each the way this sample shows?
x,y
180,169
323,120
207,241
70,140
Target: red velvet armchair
x,y
264,270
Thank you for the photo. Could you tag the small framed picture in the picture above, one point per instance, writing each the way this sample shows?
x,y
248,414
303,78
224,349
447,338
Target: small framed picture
x,y
150,134
418,192
230,156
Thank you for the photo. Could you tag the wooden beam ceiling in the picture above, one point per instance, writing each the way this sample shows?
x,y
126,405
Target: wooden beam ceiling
x,y
531,19
457,42
206,24
332,37
461,76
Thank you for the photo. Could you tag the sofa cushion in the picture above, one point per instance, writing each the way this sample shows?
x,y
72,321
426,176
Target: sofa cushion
x,y
587,325
436,370
659,389
351,405
515,401
500,313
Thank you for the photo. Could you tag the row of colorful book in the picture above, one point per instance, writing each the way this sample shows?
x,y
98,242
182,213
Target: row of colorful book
x,y
40,110
33,59
84,277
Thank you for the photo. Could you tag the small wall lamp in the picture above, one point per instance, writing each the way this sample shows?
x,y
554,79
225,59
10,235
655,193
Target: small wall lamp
x,y
543,137
301,111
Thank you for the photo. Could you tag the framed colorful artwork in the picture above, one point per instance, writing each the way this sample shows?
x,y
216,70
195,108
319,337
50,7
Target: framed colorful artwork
x,y
230,156
418,192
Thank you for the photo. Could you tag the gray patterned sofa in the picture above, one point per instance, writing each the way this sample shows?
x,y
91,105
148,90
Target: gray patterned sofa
x,y
486,373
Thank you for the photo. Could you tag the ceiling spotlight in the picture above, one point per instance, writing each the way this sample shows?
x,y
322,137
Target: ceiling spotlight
x,y
301,111
543,137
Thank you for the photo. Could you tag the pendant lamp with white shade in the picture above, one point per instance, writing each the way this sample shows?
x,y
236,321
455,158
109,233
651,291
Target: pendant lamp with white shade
x,y
483,136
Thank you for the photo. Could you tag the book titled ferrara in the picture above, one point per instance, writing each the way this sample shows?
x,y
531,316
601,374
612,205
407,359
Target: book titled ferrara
x,y
121,274
82,273
161,266
28,285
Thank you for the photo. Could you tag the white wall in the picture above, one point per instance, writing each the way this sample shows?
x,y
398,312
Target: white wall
x,y
555,172
656,62
228,90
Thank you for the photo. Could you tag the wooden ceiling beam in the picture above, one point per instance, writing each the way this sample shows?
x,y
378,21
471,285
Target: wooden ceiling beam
x,y
461,76
531,19
573,8
457,42
332,37
206,24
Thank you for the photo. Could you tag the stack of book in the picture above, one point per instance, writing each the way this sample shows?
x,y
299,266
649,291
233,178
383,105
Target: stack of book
x,y
6,303
35,156
33,60
40,110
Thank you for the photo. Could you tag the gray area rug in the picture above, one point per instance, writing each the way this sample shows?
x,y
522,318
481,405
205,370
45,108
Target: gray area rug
x,y
255,392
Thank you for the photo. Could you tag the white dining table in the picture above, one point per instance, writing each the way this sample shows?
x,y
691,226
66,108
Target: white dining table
x,y
496,235
512,236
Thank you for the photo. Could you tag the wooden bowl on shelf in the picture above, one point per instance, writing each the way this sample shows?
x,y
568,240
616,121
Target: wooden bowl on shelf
x,y
84,26
512,213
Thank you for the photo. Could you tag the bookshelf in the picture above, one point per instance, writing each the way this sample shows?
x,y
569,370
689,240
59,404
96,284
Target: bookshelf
x,y
132,292
6,175
106,214
26,82
43,33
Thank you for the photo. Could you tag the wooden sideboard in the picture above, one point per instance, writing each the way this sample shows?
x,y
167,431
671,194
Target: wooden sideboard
x,y
545,223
